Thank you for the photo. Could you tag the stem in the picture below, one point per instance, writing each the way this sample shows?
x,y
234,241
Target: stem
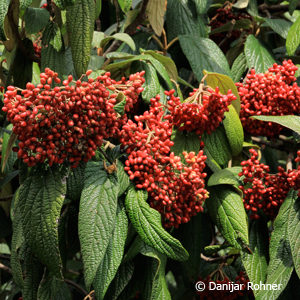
x,y
158,42
76,286
5,268
172,42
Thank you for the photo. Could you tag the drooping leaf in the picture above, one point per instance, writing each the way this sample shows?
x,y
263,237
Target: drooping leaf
x,y
147,223
75,182
239,67
293,38
234,131
257,56
124,37
256,264
217,145
156,285
290,121
41,199
97,215
227,211
151,85
114,254
280,266
226,176
57,41
166,61
280,26
35,19
293,229
203,54
53,288
33,275
80,25
155,12
120,281
180,20
224,83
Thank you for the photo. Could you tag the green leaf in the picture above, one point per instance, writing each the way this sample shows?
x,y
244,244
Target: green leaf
x,y
166,61
125,5
62,4
155,13
202,6
120,281
3,11
293,38
36,73
257,56
226,176
123,178
281,262
80,25
75,182
224,83
293,229
156,285
256,263
97,215
147,223
181,20
25,3
234,131
188,142
124,37
98,8
290,121
113,256
57,42
60,62
33,275
95,62
16,242
53,288
35,19
41,199
203,54
292,6
239,67
8,156
227,211
151,85
217,145
280,26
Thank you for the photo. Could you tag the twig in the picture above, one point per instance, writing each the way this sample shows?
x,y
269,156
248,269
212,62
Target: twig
x,y
219,258
5,268
276,7
116,4
105,155
76,286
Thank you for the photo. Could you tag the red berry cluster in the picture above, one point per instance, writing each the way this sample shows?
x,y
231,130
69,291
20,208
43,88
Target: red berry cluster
x,y
265,192
37,50
270,93
228,292
223,16
202,112
68,122
176,189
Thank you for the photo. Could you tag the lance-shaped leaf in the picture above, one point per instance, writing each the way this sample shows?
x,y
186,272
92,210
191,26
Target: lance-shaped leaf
x,y
41,198
97,216
147,223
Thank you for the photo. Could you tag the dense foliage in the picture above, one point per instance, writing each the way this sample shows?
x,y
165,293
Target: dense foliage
x,y
147,146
